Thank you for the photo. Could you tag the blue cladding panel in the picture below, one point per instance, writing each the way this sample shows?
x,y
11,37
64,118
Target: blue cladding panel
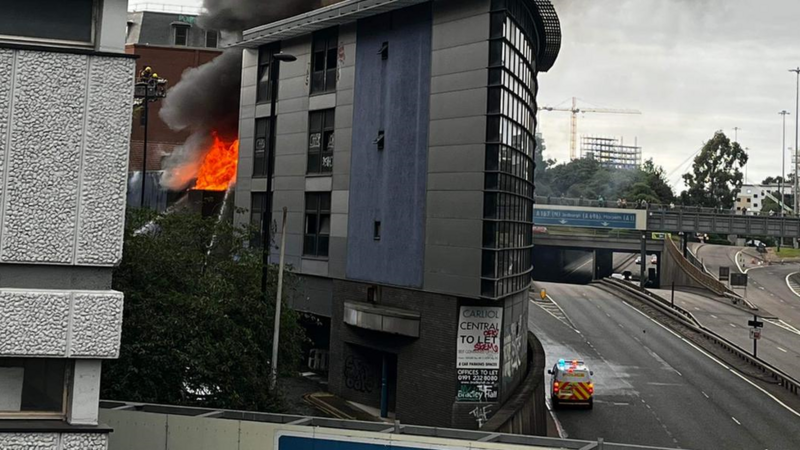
x,y
389,185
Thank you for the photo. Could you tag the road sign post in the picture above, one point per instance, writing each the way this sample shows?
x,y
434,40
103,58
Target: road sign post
x,y
755,333
673,294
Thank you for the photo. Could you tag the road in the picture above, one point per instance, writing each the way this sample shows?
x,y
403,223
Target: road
x,y
654,388
767,284
779,344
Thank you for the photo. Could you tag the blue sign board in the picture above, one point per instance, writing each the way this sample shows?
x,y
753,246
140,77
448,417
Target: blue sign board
x,y
584,218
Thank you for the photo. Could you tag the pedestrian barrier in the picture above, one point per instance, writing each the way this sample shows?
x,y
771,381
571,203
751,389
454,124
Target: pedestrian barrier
x,y
688,319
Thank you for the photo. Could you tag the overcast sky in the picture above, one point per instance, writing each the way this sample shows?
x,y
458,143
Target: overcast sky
x,y
691,66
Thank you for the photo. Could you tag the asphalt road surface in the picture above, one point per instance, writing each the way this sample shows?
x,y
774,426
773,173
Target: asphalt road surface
x,y
779,344
652,387
767,284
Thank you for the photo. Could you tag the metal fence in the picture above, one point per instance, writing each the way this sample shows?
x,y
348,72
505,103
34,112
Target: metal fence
x,y
618,204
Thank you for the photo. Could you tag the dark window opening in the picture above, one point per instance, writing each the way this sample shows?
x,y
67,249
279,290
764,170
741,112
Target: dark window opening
x,y
321,141
258,209
262,151
49,19
318,224
384,51
212,39
266,74
380,141
377,230
33,385
324,60
181,35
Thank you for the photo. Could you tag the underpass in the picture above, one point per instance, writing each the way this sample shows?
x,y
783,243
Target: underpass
x,y
651,385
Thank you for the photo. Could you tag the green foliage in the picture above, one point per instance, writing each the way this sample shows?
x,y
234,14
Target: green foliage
x,y
587,178
197,330
541,163
716,177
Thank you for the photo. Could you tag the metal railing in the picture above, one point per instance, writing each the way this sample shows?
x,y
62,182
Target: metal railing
x,y
578,232
687,318
618,204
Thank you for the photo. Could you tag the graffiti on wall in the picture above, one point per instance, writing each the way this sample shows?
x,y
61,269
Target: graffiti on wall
x,y
514,349
358,375
481,414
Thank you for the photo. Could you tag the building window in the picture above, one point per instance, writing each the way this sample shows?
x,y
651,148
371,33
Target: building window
x,y
262,151
265,75
49,20
323,63
258,206
318,224
212,39
377,230
181,35
321,141
33,385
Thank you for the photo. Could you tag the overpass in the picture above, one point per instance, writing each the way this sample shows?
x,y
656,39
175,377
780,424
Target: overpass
x,y
663,218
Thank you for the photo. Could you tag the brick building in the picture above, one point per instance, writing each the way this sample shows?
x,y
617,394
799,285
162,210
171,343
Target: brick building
x,y
401,143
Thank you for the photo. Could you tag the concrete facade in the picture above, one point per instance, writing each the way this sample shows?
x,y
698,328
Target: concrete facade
x,y
406,226
63,164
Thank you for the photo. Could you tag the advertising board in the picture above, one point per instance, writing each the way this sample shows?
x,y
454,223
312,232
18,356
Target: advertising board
x,y
478,353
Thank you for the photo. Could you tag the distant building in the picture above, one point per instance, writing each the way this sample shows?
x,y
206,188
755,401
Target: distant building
x,y
401,141
170,43
611,152
752,196
66,100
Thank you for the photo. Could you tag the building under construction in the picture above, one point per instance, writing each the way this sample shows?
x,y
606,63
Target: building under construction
x,y
611,152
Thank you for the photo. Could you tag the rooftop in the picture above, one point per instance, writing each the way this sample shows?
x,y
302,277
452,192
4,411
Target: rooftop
x,y
166,8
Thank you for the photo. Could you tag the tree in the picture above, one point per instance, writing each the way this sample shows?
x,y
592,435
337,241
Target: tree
x,y
716,177
656,179
541,163
197,330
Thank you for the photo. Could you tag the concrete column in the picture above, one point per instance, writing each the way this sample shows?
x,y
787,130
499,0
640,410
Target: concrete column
x,y
84,392
643,265
603,264
109,37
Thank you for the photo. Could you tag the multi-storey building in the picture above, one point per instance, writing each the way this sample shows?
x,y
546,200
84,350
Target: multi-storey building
x,y
171,42
611,152
65,104
401,143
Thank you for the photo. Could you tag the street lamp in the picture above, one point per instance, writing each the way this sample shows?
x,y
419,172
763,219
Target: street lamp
x,y
148,88
784,113
796,135
266,218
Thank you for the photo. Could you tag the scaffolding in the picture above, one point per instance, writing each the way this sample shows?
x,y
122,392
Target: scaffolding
x,y
611,152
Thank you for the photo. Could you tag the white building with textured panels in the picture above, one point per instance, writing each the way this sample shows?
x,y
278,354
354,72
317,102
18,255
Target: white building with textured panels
x,y
65,108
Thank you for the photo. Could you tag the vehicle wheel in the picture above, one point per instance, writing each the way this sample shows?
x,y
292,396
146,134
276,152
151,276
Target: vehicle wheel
x,y
555,402
591,404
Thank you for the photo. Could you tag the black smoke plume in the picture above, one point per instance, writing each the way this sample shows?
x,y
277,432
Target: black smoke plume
x,y
238,15
206,100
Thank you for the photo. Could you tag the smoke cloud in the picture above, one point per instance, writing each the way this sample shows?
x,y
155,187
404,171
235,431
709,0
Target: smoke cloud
x,y
206,100
238,15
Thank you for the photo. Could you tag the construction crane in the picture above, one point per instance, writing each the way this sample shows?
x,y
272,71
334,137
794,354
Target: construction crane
x,y
573,129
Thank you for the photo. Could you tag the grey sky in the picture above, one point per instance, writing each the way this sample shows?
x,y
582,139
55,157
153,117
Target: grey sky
x,y
691,66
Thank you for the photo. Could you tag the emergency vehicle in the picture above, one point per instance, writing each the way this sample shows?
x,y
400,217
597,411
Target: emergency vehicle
x,y
571,384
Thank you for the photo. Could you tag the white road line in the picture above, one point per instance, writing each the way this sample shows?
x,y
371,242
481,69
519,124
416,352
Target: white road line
x,y
734,326
714,316
737,422
790,284
709,356
704,394
784,351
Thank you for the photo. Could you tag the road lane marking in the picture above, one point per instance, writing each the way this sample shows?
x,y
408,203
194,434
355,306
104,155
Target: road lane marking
x,y
784,351
737,422
704,394
734,326
713,358
714,316
789,283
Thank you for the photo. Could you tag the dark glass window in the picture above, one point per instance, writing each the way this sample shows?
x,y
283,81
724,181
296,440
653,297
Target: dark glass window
x,y
324,60
33,385
49,19
318,224
321,141
181,35
262,149
258,206
266,70
212,39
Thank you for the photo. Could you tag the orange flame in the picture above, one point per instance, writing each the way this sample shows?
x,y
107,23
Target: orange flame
x,y
218,170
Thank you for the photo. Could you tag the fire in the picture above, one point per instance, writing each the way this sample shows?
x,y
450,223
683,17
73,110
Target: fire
x,y
218,170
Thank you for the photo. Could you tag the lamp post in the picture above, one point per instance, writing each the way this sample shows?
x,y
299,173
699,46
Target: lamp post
x,y
784,113
266,218
148,88
796,136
